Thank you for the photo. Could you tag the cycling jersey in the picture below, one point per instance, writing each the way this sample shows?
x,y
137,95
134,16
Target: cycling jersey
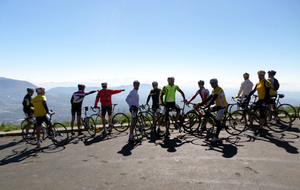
x,y
218,96
203,92
26,104
262,87
169,92
133,98
78,96
154,93
105,97
246,88
40,105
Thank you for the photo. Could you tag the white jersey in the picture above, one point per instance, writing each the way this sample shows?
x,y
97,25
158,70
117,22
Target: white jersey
x,y
133,98
246,88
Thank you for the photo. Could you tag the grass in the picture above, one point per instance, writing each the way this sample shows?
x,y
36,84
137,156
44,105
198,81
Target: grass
x,y
6,127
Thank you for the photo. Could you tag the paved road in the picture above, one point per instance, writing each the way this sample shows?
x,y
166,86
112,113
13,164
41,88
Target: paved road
x,y
182,162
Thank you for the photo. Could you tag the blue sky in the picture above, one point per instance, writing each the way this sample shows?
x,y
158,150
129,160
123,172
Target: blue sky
x,y
120,41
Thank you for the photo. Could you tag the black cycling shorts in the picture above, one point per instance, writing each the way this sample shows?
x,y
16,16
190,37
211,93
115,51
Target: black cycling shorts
x,y
262,108
41,119
105,109
172,105
76,109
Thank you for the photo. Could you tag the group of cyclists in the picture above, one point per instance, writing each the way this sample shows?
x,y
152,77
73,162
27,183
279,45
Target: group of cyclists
x,y
266,89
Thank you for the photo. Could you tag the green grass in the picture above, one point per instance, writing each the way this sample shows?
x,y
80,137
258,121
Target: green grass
x,y
7,127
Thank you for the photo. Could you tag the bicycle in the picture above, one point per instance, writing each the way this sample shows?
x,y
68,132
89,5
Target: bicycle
x,y
146,116
57,132
120,121
88,123
204,121
287,107
277,120
164,122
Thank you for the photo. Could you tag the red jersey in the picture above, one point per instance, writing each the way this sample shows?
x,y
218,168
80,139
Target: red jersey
x,y
105,97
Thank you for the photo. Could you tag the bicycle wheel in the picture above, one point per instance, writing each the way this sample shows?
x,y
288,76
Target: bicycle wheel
x,y
120,122
91,127
26,125
60,134
279,120
147,119
233,107
191,121
235,123
290,109
299,112
139,131
161,125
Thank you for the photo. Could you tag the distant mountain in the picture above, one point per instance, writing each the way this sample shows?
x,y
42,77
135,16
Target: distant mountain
x,y
11,85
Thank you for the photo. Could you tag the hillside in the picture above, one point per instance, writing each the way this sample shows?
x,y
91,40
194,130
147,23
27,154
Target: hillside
x,y
12,93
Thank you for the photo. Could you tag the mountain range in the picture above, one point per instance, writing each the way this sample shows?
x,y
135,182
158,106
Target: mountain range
x,y
13,91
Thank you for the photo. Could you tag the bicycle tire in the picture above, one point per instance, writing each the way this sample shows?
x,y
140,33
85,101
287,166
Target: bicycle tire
x,y
120,122
289,107
299,112
233,107
191,121
139,131
278,120
235,125
147,119
61,134
160,126
30,132
91,128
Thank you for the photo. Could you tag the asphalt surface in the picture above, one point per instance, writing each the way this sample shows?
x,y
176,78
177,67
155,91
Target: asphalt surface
x,y
181,162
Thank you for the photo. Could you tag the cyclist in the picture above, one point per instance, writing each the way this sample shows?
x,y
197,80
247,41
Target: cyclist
x,y
28,111
133,101
40,111
169,92
203,92
274,87
263,90
104,96
76,102
246,86
218,96
154,93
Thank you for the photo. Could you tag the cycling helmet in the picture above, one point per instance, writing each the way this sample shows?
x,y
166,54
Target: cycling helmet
x,y
39,90
136,82
213,80
81,86
272,72
261,72
246,75
201,82
171,79
154,83
30,89
104,84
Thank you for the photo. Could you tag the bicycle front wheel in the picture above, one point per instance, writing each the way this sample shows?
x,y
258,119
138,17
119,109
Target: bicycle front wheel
x,y
236,123
139,130
161,125
120,122
191,122
91,127
28,131
60,134
279,120
147,119
290,109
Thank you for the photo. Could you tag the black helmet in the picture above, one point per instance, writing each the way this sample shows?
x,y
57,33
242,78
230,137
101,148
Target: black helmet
x,y
136,82
81,86
201,82
30,89
272,72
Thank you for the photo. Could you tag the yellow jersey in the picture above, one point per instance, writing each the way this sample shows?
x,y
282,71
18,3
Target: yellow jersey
x,y
221,100
37,102
261,89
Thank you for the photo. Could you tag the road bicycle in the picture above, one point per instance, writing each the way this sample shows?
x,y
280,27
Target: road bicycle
x,y
277,120
120,121
57,131
146,116
165,121
203,121
88,123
